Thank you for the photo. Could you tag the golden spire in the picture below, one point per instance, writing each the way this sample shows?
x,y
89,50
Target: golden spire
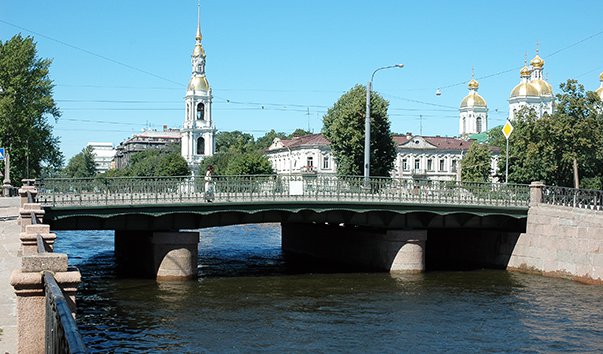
x,y
198,36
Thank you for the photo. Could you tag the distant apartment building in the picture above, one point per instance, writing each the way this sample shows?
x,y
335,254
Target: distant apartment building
x,y
103,155
147,139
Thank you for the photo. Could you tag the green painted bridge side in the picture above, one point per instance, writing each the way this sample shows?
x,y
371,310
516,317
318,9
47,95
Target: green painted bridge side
x,y
178,202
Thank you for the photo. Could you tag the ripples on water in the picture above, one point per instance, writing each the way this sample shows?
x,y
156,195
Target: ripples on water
x,y
248,299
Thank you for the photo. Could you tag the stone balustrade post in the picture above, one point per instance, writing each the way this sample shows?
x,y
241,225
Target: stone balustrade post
x,y
25,214
29,244
28,186
31,300
536,192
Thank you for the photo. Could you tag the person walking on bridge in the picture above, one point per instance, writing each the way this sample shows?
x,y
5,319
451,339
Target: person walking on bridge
x,y
209,184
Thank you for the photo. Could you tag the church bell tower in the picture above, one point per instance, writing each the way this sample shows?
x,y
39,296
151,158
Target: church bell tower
x,y
198,131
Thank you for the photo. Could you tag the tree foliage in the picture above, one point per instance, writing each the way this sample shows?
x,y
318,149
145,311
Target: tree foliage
x,y
475,166
81,165
544,149
155,162
234,141
265,141
251,163
26,103
343,126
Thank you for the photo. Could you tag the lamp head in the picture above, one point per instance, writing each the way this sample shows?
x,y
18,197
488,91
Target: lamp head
x,y
399,66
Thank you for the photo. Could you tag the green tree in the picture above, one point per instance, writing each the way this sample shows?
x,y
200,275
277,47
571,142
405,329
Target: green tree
x,y
299,132
343,125
252,163
544,149
219,161
475,166
155,162
26,103
234,141
81,165
265,141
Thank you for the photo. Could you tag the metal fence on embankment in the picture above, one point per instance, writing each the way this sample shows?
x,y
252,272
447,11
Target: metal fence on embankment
x,y
280,188
572,197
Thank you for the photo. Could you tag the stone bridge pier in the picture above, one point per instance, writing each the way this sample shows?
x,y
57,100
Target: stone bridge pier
x,y
165,255
378,249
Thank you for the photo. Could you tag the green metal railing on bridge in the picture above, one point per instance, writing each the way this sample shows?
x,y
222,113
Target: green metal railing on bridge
x,y
119,191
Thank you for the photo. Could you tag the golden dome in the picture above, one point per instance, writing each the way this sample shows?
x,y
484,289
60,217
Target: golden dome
x,y
525,71
524,89
543,87
537,62
599,92
601,77
473,99
198,50
198,83
473,84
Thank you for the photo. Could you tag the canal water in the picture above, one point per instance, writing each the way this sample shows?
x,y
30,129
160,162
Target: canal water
x,y
248,299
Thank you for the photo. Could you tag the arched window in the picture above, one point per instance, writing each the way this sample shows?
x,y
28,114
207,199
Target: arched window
x,y
187,109
200,146
478,124
201,111
464,125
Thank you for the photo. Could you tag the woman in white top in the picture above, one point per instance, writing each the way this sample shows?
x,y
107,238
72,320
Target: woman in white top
x,y
209,184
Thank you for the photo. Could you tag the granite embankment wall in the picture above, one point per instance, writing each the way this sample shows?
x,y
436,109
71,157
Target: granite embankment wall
x,y
561,242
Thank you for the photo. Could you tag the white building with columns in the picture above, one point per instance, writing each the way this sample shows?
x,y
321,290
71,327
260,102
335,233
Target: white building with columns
x,y
304,154
417,157
473,112
533,91
198,131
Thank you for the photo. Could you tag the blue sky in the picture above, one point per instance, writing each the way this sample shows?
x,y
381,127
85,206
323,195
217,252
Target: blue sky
x,y
120,66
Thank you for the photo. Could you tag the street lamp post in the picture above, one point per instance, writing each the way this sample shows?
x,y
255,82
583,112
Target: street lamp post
x,y
367,124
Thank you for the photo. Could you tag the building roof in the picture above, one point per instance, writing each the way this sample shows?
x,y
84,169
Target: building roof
x,y
300,141
438,142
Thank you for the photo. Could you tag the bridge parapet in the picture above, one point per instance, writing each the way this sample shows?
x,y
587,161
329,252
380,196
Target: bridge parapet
x,y
572,197
171,190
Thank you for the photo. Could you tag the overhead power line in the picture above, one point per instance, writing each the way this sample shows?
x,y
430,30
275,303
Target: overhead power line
x,y
93,53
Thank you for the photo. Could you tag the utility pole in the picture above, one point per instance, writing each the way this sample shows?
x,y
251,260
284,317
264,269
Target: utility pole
x,y
308,114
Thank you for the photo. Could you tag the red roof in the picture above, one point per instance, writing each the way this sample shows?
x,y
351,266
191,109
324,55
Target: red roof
x,y
306,140
440,142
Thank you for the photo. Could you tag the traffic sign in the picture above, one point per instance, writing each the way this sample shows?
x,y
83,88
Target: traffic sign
x,y
1,154
507,129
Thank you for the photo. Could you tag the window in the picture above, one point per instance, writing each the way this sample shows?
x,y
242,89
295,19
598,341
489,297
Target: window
x,y
200,146
310,161
201,111
325,162
478,124
430,165
417,164
405,164
453,166
442,164
464,125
